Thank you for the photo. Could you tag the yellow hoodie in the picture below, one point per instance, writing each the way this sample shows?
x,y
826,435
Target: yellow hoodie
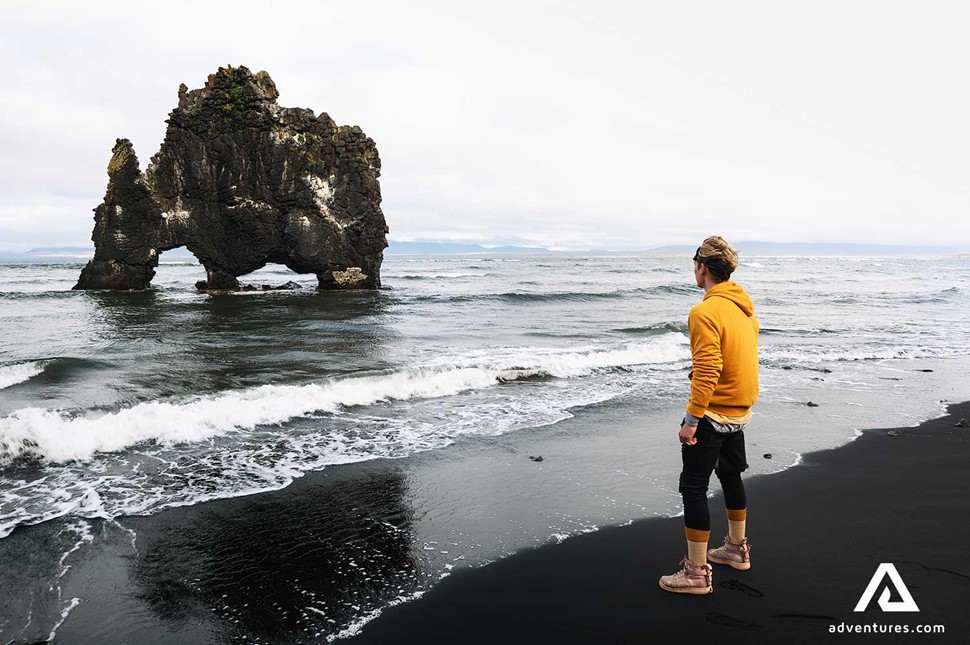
x,y
724,345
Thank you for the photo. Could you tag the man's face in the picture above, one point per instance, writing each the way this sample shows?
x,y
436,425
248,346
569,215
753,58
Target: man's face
x,y
697,275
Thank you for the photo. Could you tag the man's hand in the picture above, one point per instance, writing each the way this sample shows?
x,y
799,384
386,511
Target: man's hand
x,y
686,434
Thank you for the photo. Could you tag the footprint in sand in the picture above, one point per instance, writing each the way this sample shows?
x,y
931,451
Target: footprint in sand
x,y
734,585
727,621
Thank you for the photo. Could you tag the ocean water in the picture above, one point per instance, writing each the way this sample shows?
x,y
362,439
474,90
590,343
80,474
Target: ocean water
x,y
394,428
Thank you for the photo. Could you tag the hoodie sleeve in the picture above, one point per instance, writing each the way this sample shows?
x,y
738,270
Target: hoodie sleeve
x,y
705,347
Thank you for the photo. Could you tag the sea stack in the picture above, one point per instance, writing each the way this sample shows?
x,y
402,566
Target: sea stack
x,y
241,182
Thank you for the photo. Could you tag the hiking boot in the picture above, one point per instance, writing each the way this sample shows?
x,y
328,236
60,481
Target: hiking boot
x,y
733,555
695,579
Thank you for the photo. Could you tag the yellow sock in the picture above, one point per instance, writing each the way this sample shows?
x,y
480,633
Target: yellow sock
x,y
737,521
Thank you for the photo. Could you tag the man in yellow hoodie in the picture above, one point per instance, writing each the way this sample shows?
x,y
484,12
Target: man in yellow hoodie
x,y
724,386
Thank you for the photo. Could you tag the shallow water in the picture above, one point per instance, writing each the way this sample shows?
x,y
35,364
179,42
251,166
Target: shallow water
x,y
438,388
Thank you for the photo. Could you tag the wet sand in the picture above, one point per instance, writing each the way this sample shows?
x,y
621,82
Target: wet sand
x,y
819,531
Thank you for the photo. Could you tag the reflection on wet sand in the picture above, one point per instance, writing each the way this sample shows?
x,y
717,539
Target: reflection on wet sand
x,y
284,565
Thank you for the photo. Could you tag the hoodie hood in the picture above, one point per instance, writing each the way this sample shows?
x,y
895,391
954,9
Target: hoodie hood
x,y
732,291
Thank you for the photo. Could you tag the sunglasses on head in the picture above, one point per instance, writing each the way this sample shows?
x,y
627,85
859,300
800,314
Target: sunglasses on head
x,y
713,264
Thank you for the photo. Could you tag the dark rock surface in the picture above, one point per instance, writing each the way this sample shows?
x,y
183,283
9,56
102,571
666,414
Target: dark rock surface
x,y
242,182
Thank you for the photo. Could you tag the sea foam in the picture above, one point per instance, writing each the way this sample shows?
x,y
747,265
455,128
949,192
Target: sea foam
x,y
95,467
19,372
56,436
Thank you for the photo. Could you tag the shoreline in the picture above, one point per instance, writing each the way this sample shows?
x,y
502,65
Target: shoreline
x,y
219,510
299,519
896,499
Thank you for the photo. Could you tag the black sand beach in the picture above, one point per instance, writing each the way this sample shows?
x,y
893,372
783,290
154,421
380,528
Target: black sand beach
x,y
819,531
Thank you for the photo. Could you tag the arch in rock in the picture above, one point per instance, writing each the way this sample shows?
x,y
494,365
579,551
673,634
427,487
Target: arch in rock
x,y
242,182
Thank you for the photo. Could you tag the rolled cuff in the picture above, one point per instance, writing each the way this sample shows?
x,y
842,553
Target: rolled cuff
x,y
691,420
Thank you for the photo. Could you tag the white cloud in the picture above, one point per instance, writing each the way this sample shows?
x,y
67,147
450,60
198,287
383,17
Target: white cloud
x,y
621,125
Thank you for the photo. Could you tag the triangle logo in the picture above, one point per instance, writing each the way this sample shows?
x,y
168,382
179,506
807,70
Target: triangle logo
x,y
887,569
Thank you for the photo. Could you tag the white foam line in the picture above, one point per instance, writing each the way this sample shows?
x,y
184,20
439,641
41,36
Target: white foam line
x,y
84,531
72,603
434,276
30,615
799,457
825,354
82,509
60,438
354,628
19,372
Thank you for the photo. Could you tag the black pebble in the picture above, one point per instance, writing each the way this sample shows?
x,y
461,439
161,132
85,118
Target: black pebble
x,y
924,370
767,455
812,405
539,458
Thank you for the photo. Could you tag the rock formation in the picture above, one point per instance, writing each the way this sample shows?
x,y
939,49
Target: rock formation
x,y
242,182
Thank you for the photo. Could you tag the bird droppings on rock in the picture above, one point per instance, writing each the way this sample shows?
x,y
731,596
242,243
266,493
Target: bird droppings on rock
x,y
241,182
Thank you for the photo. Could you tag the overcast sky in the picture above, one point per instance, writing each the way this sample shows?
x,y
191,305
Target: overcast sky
x,y
618,125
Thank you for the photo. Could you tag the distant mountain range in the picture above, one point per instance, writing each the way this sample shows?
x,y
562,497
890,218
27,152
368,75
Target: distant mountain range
x,y
81,253
744,248
822,249
454,248
76,253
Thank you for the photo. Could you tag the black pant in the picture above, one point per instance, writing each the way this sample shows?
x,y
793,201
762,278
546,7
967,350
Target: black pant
x,y
718,452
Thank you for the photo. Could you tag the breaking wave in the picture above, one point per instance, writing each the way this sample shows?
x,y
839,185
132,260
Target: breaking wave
x,y
54,436
161,454
433,276
19,372
657,328
781,355
820,331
